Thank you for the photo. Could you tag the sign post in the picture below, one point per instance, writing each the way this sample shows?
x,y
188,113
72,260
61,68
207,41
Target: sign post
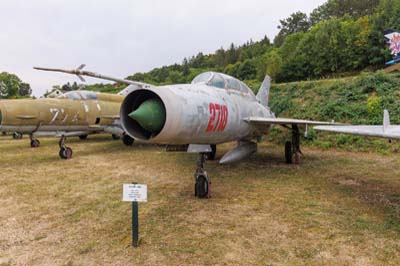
x,y
135,224
135,193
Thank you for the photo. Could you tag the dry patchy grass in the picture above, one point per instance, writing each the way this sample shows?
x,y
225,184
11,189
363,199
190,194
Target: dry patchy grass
x,y
336,208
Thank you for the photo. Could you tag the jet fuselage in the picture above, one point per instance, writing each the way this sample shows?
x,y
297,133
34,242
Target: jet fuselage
x,y
196,113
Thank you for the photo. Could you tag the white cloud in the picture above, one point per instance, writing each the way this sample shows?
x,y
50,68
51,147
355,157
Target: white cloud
x,y
124,36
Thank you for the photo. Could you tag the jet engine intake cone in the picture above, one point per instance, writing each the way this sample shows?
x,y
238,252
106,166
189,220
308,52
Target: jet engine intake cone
x,y
150,115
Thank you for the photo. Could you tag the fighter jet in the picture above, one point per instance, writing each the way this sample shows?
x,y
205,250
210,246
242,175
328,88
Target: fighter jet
x,y
387,130
75,113
215,108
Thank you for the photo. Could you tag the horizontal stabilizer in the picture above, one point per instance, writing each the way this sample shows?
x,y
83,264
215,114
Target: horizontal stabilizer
x,y
386,120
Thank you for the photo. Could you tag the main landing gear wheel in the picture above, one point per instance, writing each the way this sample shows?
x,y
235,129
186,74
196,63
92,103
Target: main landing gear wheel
x,y
202,187
211,155
65,152
16,135
83,137
127,140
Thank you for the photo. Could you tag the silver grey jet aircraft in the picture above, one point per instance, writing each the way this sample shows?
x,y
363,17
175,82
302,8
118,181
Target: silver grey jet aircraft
x,y
215,108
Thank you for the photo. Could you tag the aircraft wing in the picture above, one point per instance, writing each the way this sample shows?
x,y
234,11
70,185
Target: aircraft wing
x,y
264,123
385,131
391,132
61,133
283,121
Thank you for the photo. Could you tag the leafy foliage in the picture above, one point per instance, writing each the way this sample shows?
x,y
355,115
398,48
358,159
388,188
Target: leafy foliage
x,y
359,100
11,86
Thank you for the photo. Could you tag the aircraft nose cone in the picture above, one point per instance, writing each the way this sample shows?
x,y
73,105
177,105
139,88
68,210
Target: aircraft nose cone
x,y
150,115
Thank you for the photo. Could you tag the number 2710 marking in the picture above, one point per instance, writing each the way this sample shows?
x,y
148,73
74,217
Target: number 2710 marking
x,y
218,117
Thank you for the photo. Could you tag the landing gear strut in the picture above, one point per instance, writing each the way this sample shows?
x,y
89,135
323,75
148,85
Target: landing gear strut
x,y
34,142
292,148
65,152
202,187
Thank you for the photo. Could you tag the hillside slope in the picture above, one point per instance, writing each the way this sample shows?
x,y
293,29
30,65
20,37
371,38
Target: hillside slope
x,y
355,100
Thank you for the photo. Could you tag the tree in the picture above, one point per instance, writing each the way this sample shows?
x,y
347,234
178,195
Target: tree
x,y
231,55
247,70
273,64
25,89
296,22
10,85
339,8
185,67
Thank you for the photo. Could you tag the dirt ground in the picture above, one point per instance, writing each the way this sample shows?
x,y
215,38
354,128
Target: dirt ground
x,y
335,208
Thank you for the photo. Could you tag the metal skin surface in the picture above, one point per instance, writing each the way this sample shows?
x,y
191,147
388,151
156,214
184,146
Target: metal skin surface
x,y
188,114
58,116
386,130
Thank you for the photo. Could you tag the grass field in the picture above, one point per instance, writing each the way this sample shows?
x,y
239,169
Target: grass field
x,y
336,208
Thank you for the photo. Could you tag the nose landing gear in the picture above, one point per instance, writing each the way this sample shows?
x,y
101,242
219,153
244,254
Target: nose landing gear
x,y
65,152
202,187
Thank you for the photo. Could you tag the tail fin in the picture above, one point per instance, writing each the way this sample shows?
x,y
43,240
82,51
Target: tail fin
x,y
263,92
386,120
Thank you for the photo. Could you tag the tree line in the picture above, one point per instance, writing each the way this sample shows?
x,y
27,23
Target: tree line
x,y
338,38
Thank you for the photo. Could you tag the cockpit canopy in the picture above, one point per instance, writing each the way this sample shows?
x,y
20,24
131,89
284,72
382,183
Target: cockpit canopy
x,y
222,81
79,95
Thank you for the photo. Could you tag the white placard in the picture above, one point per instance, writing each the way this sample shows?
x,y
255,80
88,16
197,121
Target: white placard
x,y
134,192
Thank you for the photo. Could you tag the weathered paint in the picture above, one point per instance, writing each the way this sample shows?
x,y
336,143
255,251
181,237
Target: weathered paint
x,y
189,118
60,114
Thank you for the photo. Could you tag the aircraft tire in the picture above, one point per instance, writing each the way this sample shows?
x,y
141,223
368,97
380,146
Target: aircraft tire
x,y
61,153
65,153
211,155
35,143
201,187
127,140
288,152
68,153
115,137
82,137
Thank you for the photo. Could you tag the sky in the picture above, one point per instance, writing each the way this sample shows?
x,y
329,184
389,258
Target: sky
x,y
122,37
